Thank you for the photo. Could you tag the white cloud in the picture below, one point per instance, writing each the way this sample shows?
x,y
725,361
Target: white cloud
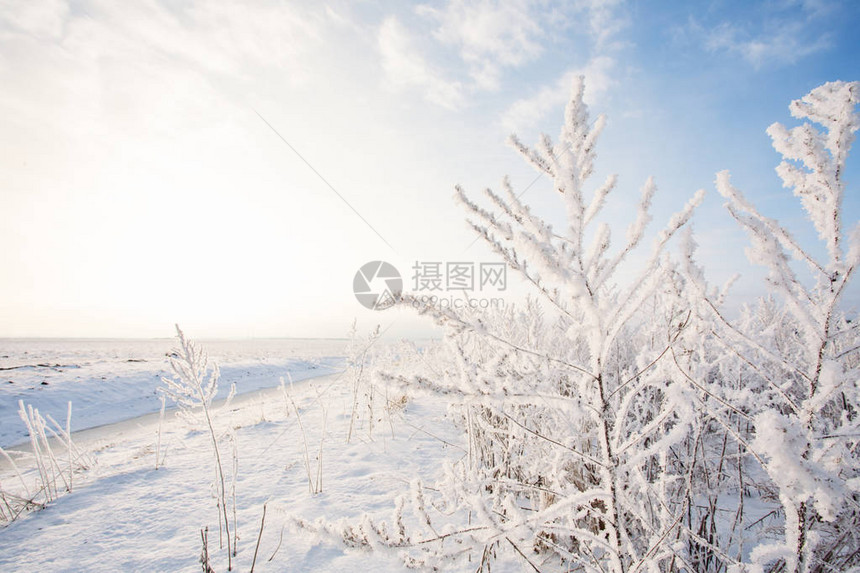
x,y
211,36
489,34
771,35
814,8
135,68
786,45
127,129
406,68
470,45
43,19
605,20
526,113
123,119
492,35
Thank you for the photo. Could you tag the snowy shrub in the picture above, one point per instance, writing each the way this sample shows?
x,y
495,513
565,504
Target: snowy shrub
x,y
53,469
794,406
193,388
315,474
374,401
571,420
568,416
359,359
623,425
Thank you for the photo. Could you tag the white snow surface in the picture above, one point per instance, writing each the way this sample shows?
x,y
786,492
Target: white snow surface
x,y
109,381
124,515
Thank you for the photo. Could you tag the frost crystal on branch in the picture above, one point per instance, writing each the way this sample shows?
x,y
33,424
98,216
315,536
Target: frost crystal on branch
x,y
801,360
194,386
626,426
570,416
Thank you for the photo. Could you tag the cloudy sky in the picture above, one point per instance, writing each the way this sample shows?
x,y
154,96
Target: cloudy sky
x,y
143,182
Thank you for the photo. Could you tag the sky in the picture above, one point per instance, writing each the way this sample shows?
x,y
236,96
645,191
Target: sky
x,y
230,166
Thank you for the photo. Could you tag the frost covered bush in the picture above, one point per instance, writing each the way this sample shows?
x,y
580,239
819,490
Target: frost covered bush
x,y
623,425
54,470
360,357
796,401
193,388
374,401
569,417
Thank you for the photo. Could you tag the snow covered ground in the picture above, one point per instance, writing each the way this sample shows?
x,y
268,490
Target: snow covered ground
x,y
112,380
124,515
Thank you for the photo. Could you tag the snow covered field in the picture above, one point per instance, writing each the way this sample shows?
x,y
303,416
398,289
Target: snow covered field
x,y
123,514
637,427
113,380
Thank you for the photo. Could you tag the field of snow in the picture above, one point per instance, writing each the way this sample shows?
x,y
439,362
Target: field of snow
x,y
113,380
640,428
124,514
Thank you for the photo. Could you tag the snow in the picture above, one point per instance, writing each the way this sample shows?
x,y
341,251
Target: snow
x,y
123,514
637,428
113,380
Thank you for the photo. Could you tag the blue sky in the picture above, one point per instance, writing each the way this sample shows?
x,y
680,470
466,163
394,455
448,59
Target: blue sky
x,y
140,187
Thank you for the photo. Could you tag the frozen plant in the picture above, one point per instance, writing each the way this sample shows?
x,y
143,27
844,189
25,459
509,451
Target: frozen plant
x,y
373,401
583,406
315,481
51,469
800,350
360,356
567,416
158,459
193,388
629,425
